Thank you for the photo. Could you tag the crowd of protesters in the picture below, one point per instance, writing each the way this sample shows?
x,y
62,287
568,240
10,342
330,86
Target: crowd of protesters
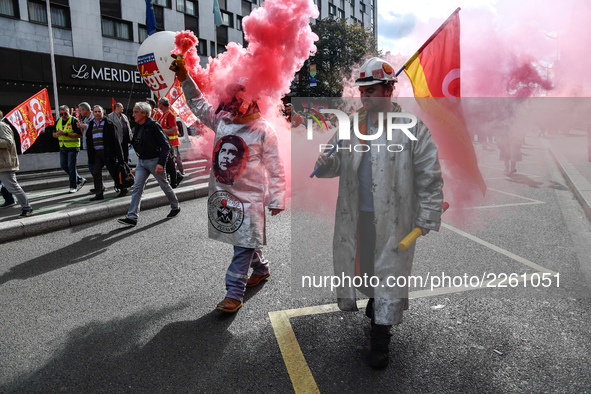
x,y
107,140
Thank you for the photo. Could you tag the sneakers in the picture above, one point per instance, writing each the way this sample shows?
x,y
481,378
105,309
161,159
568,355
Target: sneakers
x,y
7,204
122,193
173,213
82,182
98,197
256,279
229,305
26,213
73,190
127,221
380,353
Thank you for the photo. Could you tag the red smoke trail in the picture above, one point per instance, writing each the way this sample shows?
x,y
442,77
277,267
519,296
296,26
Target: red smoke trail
x,y
279,42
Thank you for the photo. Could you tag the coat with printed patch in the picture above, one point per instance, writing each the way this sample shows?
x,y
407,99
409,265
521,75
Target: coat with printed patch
x,y
236,204
407,192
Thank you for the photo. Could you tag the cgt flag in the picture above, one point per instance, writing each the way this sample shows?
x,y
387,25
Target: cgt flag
x,y
31,117
434,71
179,104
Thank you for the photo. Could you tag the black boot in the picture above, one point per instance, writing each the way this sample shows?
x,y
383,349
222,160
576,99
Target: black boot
x,y
369,309
380,339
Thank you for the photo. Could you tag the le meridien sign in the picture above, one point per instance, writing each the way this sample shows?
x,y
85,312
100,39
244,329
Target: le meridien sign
x,y
106,74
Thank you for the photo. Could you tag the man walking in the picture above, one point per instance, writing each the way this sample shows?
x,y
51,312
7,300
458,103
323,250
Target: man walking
x,y
8,167
104,149
122,129
68,134
168,122
382,196
247,167
152,147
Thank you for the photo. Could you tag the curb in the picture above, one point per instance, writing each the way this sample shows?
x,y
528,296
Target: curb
x,y
578,184
35,225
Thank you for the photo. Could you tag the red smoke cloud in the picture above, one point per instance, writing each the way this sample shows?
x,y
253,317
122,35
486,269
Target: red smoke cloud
x,y
279,42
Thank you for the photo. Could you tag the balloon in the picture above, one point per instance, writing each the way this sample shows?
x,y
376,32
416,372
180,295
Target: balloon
x,y
153,60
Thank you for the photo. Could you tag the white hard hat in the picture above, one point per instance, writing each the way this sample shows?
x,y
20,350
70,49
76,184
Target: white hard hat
x,y
374,71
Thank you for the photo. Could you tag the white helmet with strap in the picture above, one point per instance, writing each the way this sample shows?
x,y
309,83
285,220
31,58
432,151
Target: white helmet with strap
x,y
374,71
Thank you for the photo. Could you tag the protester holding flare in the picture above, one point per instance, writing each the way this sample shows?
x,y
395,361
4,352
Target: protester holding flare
x,y
382,196
246,165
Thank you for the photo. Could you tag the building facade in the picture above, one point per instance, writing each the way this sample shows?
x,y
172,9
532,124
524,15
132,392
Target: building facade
x,y
96,43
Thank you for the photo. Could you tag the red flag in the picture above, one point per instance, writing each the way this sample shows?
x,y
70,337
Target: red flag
x,y
113,102
435,72
77,113
31,117
179,104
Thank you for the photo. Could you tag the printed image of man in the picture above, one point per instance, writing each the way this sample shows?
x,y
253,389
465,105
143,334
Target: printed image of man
x,y
229,158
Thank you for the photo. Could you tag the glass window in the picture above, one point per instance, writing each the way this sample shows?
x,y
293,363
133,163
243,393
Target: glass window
x,y
246,7
142,32
332,9
238,22
9,8
60,16
222,4
228,19
362,7
222,35
116,29
188,7
202,47
162,3
192,23
159,15
111,8
341,14
212,52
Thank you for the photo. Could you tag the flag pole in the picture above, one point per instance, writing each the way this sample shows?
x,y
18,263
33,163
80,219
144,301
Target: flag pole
x,y
52,57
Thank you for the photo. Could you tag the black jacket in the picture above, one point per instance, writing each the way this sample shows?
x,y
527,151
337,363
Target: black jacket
x,y
113,150
151,143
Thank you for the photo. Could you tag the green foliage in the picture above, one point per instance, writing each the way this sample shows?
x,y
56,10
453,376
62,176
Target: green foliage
x,y
339,48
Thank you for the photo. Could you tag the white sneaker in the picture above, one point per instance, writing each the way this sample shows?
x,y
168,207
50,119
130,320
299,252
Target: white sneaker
x,y
73,190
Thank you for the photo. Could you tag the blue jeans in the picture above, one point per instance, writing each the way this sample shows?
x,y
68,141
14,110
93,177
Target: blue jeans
x,y
142,171
8,179
68,160
237,273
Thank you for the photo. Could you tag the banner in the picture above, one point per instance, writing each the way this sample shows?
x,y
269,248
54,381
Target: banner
x,y
179,104
434,71
113,102
31,117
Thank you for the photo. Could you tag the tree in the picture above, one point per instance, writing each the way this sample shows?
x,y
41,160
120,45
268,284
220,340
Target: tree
x,y
339,48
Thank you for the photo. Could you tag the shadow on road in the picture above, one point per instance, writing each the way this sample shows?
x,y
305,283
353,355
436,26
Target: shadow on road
x,y
183,356
77,252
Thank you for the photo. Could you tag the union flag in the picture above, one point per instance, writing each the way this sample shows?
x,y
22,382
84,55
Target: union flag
x,y
31,117
434,71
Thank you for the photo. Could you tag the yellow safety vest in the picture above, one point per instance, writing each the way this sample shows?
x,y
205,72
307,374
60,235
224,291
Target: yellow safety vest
x,y
67,142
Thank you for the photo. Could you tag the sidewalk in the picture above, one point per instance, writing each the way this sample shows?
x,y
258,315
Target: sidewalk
x,y
570,152
55,208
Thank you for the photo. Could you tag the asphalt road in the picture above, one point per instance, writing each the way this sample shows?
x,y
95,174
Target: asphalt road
x,y
100,308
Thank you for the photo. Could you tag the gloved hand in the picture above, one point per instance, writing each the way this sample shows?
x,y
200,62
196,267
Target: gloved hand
x,y
180,68
424,230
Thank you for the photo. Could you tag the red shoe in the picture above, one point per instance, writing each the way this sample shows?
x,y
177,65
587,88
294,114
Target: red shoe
x,y
229,305
256,279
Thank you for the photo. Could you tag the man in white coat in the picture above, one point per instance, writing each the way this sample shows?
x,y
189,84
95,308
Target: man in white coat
x,y
246,163
383,195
